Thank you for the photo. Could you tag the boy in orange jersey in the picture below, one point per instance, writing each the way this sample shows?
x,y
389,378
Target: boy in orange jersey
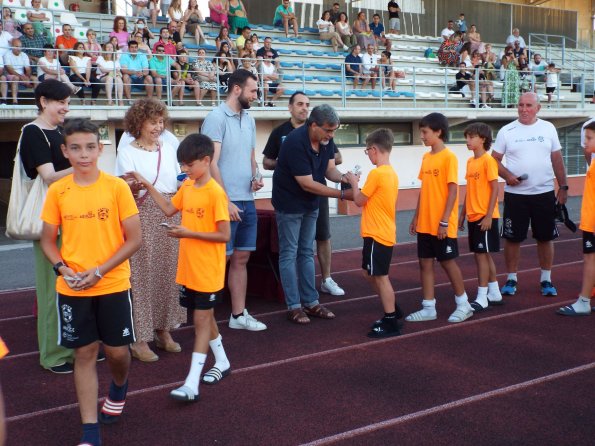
x,y
378,227
436,218
582,307
203,233
100,227
481,207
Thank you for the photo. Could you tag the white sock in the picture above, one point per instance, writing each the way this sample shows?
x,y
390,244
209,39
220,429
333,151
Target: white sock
x,y
494,291
193,378
428,307
221,361
462,300
546,275
512,276
482,296
582,305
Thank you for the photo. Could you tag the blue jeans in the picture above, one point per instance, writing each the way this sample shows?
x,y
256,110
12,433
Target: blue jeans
x,y
296,257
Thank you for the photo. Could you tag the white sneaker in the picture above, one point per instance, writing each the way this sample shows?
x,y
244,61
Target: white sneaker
x,y
345,47
246,322
206,42
329,286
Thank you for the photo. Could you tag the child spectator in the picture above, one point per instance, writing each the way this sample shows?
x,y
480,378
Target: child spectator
x,y
203,233
394,22
551,81
481,208
436,218
93,283
462,24
378,198
582,307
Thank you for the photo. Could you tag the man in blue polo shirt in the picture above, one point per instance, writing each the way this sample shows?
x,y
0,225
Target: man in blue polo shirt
x,y
353,66
306,161
135,70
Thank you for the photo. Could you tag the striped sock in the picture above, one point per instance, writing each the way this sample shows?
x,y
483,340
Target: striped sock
x,y
114,404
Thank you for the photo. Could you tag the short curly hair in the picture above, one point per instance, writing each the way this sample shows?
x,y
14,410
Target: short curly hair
x,y
140,111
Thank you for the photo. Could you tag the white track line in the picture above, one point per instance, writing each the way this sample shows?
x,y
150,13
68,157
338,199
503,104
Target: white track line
x,y
310,356
276,312
347,435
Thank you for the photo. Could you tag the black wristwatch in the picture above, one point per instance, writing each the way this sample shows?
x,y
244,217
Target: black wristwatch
x,y
563,187
57,267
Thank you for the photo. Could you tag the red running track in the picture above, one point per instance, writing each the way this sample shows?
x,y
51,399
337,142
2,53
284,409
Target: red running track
x,y
517,374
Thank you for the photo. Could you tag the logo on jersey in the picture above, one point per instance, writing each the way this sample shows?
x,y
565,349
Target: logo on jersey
x,y
588,244
200,213
126,332
103,214
448,250
66,313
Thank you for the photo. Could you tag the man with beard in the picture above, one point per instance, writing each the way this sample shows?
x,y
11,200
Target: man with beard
x,y
305,162
298,108
233,132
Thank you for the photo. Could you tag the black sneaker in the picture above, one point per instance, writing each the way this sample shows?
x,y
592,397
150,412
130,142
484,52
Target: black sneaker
x,y
62,369
384,330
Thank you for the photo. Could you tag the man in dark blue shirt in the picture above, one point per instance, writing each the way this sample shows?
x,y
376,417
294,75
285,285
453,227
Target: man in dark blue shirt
x,y
305,162
353,66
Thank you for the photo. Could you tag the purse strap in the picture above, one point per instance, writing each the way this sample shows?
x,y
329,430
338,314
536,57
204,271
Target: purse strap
x,y
17,157
142,199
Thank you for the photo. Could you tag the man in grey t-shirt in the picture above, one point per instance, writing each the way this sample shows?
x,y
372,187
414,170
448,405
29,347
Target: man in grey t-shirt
x,y
233,132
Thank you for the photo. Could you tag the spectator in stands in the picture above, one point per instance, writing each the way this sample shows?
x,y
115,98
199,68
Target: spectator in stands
x,y
160,69
121,32
538,66
377,29
81,74
394,22
516,37
3,85
109,73
18,69
92,47
268,47
64,43
353,66
475,38
5,40
284,16
462,25
271,81
551,82
489,57
327,31
485,86
191,23
145,8
174,35
448,31
362,31
464,81
34,43
447,53
135,70
512,82
517,50
236,15
255,42
224,37
49,68
225,67
387,73
245,35
334,17
205,74
141,26
344,30
218,12
118,51
37,17
248,54
10,26
370,66
175,12
168,44
186,79
142,45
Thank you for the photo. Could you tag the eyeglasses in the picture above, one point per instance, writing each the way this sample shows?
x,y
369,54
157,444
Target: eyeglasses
x,y
367,149
329,131
161,51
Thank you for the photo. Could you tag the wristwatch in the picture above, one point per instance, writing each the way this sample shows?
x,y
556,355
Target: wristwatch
x,y
56,267
565,187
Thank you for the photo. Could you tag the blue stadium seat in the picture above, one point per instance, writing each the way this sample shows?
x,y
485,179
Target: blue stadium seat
x,y
362,93
209,47
301,52
284,39
267,27
285,51
308,78
300,40
310,92
324,78
287,64
406,94
289,77
320,66
336,67
324,92
317,53
289,92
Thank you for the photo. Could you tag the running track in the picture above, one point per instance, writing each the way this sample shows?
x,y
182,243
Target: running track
x,y
517,374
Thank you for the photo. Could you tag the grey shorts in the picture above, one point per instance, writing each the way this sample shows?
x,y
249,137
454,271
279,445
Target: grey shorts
x,y
394,24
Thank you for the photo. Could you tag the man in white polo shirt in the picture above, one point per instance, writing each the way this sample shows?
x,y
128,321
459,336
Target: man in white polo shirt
x,y
531,146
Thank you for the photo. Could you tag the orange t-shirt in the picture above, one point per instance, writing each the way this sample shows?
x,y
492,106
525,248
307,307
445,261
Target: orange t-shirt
x,y
480,172
437,171
68,43
90,218
588,205
378,216
201,264
3,349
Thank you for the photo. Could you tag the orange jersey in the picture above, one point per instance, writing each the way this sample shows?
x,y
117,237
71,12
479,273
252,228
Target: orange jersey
x,y
201,264
588,205
437,171
480,172
90,218
378,215
3,349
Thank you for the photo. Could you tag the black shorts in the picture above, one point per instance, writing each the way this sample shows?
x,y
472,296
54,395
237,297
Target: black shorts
x,y
550,89
376,257
323,230
483,241
198,300
588,242
106,318
522,210
430,247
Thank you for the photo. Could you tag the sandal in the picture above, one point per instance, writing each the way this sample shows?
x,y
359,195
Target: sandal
x,y
215,375
297,316
319,311
185,394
